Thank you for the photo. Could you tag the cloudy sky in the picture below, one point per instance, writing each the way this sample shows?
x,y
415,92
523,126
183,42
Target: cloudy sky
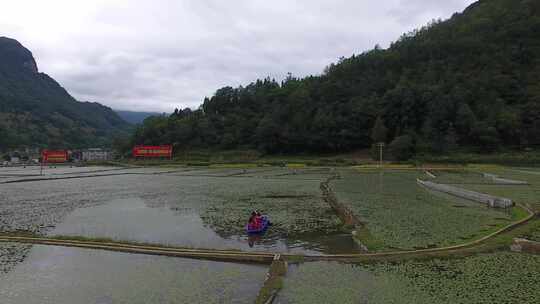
x,y
160,54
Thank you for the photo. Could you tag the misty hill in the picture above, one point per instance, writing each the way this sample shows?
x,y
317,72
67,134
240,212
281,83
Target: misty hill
x,y
470,81
135,117
36,111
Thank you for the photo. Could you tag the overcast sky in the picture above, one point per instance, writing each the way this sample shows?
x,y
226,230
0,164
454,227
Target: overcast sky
x,y
160,54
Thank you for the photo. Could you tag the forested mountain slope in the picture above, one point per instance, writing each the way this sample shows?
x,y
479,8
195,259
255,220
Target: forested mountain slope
x,y
35,111
470,81
135,117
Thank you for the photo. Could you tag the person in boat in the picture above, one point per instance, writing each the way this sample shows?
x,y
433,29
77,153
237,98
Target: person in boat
x,y
253,223
259,219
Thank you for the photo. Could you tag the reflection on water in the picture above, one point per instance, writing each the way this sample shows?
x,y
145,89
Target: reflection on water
x,y
253,239
132,220
68,275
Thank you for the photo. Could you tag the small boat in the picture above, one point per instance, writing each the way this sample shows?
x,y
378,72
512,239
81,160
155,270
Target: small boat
x,y
264,225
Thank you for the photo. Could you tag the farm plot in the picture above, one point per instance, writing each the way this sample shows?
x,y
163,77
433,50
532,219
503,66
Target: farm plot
x,y
295,205
460,177
207,211
488,278
37,206
524,194
401,215
67,172
67,275
291,173
215,172
529,194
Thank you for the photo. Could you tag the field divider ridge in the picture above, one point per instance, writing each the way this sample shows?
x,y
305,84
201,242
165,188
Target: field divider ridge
x,y
210,254
243,256
471,244
346,215
274,281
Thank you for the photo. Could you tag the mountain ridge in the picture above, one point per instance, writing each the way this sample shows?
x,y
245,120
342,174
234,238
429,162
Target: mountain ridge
x,y
135,117
36,111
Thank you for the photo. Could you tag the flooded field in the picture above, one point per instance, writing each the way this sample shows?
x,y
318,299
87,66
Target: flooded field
x,y
201,207
401,215
528,194
486,278
58,275
188,207
523,194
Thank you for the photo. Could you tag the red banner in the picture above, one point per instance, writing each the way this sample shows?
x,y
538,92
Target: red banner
x,y
153,151
57,156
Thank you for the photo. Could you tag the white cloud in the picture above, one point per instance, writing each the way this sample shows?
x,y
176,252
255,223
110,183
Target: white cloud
x,y
161,54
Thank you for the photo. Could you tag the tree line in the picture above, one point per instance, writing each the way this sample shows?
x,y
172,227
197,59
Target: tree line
x,y
470,82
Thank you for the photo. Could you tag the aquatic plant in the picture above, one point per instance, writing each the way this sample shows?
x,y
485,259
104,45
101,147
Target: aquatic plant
x,y
401,215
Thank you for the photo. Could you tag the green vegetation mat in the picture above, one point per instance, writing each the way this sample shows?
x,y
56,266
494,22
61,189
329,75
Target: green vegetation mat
x,y
295,204
523,194
460,177
399,214
526,194
501,277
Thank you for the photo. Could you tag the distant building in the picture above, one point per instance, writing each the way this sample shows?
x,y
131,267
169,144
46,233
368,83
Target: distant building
x,y
96,155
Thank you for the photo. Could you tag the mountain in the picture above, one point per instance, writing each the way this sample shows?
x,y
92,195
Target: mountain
x,y
35,111
135,117
470,82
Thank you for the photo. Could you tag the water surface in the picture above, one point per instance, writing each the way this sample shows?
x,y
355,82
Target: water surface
x,y
57,275
134,220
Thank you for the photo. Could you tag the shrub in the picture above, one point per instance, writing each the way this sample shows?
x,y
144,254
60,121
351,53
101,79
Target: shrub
x,y
402,147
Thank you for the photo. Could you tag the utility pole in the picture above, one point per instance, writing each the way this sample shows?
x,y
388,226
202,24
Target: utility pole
x,y
43,156
381,146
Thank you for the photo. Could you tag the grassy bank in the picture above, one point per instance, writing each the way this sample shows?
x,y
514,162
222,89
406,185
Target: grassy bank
x,y
247,158
251,158
513,158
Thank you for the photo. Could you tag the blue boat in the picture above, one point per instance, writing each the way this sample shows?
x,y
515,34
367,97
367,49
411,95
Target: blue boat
x,y
262,229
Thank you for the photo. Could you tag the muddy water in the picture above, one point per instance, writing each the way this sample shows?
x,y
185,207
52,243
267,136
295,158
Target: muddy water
x,y
67,275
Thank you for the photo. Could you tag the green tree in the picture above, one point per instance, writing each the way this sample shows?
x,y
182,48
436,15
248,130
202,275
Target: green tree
x,y
530,118
465,122
402,147
450,139
486,137
465,81
508,126
379,132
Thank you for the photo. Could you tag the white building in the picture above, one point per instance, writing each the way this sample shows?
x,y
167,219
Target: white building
x,y
96,155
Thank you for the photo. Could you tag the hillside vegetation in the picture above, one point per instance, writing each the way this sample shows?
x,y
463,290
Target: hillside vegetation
x,y
35,111
472,81
135,117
